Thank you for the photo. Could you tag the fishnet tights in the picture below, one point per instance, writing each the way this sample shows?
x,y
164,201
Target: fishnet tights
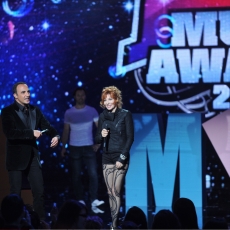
x,y
114,179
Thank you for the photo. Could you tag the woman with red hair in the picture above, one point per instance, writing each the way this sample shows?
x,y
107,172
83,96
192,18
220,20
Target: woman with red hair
x,y
116,132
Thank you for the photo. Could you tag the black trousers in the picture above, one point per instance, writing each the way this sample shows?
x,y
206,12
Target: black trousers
x,y
85,154
34,175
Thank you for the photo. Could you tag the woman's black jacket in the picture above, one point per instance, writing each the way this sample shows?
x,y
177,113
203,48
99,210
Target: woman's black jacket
x,y
121,132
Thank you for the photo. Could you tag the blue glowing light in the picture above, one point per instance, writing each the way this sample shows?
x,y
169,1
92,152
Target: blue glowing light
x,y
25,7
128,6
112,72
164,46
79,83
45,25
56,1
163,32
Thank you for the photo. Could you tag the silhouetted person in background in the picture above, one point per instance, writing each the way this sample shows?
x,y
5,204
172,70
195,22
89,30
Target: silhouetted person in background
x,y
185,210
165,219
14,213
129,225
72,215
216,223
94,222
2,222
136,215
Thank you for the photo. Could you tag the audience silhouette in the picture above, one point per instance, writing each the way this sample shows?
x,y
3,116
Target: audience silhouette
x,y
14,213
185,210
129,225
216,223
94,222
137,216
165,219
72,215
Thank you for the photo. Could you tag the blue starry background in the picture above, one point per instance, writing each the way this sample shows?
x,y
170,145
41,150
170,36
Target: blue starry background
x,y
58,45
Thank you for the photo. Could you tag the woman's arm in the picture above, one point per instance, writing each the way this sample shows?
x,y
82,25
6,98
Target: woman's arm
x,y
129,128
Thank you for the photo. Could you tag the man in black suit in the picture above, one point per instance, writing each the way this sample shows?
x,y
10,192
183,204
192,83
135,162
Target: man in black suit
x,y
23,124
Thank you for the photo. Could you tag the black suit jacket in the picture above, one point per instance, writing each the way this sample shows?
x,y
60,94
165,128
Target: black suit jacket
x,y
20,140
121,134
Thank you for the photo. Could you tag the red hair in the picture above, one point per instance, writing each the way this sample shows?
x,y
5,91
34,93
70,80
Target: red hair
x,y
114,92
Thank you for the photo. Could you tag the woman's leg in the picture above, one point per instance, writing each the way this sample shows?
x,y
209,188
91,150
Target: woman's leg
x,y
114,179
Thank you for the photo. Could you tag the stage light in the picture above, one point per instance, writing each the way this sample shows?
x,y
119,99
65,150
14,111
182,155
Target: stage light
x,y
45,25
128,6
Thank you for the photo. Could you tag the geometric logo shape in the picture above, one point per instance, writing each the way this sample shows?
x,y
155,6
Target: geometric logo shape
x,y
218,131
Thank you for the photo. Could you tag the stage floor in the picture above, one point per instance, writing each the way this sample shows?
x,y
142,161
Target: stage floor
x,y
103,211
217,206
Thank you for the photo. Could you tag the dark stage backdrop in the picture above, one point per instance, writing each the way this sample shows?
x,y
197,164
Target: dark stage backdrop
x,y
167,56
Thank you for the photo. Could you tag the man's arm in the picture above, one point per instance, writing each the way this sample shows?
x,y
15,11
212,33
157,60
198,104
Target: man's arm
x,y
64,139
44,124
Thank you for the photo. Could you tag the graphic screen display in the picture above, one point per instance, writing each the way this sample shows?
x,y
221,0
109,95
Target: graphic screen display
x,y
166,56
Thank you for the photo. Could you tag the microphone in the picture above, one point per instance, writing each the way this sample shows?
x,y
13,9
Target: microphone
x,y
45,130
105,138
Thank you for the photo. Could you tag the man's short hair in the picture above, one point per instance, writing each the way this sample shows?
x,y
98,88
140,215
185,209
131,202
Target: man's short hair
x,y
78,89
14,89
12,207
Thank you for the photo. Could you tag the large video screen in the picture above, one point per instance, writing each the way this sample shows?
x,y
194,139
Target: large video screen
x,y
165,55
178,52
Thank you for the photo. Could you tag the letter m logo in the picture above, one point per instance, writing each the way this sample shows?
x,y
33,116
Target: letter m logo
x,y
167,158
